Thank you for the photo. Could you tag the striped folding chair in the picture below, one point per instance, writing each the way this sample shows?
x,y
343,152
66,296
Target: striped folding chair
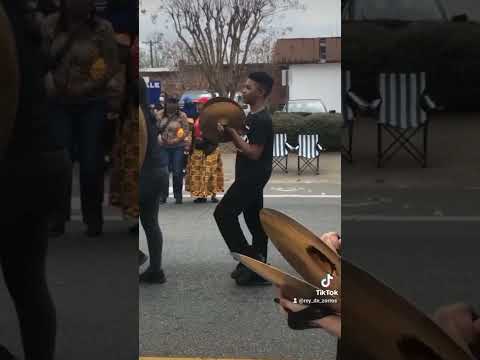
x,y
403,115
352,104
308,153
280,152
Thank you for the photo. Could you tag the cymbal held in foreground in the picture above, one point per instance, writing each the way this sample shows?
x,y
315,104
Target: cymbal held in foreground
x,y
222,111
384,325
9,76
306,252
293,287
377,323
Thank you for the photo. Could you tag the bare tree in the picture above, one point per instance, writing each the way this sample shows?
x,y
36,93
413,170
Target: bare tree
x,y
261,51
218,35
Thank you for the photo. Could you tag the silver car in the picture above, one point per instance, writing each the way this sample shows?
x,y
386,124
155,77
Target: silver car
x,y
305,105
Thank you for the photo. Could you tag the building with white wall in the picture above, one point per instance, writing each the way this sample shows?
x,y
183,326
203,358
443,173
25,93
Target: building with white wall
x,y
311,69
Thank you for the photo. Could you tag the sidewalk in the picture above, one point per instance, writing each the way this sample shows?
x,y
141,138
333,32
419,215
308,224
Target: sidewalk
x,y
454,159
330,169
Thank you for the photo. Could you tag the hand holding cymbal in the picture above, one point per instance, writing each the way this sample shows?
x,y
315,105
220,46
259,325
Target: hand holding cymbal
x,y
382,324
219,117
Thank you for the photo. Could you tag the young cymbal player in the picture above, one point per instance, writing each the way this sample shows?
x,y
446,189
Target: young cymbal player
x,y
253,168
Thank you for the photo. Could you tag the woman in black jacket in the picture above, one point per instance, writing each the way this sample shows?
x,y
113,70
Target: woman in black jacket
x,y
153,179
33,174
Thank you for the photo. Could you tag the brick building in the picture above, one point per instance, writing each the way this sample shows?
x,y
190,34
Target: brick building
x,y
174,83
291,57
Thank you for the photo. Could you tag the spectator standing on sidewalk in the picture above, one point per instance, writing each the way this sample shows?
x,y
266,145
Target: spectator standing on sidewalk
x,y
83,58
174,132
125,172
204,170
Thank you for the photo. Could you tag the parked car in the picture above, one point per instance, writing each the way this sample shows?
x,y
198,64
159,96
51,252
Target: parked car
x,y
195,94
305,106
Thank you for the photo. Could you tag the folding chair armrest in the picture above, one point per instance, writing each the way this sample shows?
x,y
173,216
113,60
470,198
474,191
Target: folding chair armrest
x,y
289,147
428,104
292,148
375,104
319,147
357,101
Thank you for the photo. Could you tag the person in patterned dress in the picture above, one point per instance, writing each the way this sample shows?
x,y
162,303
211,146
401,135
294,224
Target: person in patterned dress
x,y
205,169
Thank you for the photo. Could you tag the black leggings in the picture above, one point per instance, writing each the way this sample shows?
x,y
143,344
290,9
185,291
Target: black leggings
x,y
152,183
23,263
28,188
243,197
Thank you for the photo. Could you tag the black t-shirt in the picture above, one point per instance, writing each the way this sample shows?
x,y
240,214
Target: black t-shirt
x,y
260,132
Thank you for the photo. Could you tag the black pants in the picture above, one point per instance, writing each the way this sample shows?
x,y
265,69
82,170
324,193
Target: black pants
x,y
244,196
151,184
80,129
28,188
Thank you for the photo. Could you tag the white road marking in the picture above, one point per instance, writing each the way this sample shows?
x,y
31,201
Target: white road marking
x,y
282,196
106,218
387,218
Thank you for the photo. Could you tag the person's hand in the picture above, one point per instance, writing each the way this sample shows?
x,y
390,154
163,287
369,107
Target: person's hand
x,y
158,114
230,130
331,324
160,139
223,128
333,240
461,323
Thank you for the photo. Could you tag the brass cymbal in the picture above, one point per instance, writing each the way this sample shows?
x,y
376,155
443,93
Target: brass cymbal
x,y
293,287
9,79
221,109
143,137
303,250
380,323
383,325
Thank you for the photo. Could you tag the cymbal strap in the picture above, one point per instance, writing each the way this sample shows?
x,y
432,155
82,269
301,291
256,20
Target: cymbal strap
x,y
301,320
475,346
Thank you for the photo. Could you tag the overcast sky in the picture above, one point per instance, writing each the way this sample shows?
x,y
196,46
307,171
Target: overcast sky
x,y
320,19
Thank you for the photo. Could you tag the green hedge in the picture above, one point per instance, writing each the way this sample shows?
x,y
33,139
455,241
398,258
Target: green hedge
x,y
327,126
448,52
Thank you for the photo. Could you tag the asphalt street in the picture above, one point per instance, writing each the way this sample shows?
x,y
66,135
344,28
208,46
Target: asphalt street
x,y
200,312
439,204
94,285
417,228
430,263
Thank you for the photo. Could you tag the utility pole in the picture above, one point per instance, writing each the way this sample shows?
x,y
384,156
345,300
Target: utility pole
x,y
150,43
